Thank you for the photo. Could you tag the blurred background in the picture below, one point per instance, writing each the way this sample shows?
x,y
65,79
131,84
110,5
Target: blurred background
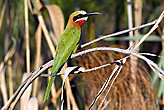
x,y
26,25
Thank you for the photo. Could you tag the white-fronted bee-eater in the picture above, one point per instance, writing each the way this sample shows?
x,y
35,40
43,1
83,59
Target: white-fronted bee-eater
x,y
67,43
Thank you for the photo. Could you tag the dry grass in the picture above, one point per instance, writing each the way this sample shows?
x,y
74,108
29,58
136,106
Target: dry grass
x,y
123,94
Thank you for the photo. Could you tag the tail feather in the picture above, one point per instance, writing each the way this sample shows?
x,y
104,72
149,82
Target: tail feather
x,y
49,87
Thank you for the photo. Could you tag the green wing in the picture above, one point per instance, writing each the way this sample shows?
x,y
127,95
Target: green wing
x,y
65,46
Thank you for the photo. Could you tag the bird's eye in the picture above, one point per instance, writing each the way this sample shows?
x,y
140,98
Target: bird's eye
x,y
77,17
80,15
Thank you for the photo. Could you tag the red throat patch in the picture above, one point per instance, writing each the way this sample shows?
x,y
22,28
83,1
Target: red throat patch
x,y
80,22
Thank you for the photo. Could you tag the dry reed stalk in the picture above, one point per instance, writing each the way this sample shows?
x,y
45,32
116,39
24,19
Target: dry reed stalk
x,y
46,34
27,37
2,12
3,69
71,99
37,6
138,15
130,19
26,95
3,85
137,18
38,35
7,31
10,72
132,60
33,104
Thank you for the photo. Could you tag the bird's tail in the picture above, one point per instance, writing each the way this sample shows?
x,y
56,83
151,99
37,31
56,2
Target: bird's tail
x,y
49,87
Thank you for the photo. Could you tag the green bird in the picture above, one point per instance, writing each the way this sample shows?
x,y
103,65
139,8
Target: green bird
x,y
67,43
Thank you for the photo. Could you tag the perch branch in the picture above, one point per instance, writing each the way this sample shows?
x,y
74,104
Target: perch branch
x,y
118,33
103,49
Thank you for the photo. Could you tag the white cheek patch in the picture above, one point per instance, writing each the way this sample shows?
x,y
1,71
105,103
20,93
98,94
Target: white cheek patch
x,y
85,18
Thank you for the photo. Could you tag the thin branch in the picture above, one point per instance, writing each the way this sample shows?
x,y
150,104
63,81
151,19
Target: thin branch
x,y
152,29
112,81
104,85
103,49
150,62
16,96
118,33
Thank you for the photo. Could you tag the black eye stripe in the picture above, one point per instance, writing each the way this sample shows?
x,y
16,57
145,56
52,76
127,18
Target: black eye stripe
x,y
77,17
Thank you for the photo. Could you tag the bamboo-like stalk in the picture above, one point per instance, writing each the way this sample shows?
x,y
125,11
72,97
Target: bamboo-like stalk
x,y
38,56
130,19
27,37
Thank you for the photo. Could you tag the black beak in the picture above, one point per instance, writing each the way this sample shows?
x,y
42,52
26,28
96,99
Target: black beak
x,y
91,13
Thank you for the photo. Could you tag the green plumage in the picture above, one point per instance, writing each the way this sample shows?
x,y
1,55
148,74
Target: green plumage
x,y
65,46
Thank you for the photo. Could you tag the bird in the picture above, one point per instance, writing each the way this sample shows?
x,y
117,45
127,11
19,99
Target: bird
x,y
67,43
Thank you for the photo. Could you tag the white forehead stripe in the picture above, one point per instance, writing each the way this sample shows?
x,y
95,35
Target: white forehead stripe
x,y
83,12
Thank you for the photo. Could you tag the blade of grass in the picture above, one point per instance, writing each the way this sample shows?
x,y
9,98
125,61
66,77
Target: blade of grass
x,y
151,38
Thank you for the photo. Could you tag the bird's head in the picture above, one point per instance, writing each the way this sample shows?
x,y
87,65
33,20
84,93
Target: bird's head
x,y
79,17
